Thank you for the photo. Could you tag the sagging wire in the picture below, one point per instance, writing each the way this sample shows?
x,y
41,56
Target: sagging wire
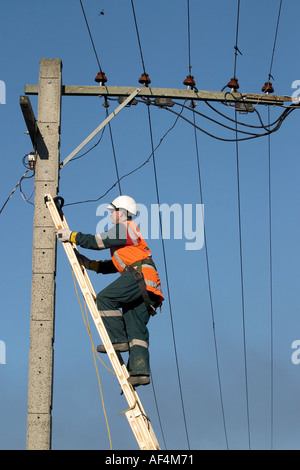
x,y
252,126
90,149
251,135
19,184
130,172
27,199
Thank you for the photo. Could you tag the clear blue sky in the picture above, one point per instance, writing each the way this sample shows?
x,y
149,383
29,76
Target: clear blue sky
x,y
32,30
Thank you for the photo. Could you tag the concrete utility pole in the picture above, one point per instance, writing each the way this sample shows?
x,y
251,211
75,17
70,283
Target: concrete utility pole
x,y
45,136
47,139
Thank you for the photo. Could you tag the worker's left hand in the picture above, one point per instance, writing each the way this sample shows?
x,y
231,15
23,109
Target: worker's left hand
x,y
83,260
63,235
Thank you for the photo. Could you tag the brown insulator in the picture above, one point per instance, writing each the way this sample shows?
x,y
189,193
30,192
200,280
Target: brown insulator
x,y
144,79
267,88
189,81
233,84
101,78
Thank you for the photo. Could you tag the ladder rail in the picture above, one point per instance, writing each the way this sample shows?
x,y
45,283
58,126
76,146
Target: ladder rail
x,y
136,416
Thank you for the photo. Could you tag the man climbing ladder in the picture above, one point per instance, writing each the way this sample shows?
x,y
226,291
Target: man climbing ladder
x,y
128,302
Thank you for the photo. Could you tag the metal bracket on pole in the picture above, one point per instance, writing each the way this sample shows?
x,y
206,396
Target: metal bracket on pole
x,y
98,129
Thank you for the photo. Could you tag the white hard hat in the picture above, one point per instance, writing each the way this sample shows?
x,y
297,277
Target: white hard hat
x,y
124,202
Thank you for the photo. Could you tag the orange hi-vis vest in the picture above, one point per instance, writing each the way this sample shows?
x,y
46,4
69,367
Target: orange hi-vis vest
x,y
136,249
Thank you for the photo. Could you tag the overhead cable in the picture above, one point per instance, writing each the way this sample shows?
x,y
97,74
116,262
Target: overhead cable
x,y
240,243
90,34
275,39
163,248
206,245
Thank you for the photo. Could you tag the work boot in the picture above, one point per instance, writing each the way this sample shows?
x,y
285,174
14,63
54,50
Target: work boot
x,y
120,347
136,380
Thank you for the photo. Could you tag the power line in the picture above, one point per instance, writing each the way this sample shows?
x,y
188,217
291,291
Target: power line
x,y
271,287
167,281
242,285
106,102
275,39
113,149
270,249
90,34
162,239
240,239
205,242
236,49
189,38
138,36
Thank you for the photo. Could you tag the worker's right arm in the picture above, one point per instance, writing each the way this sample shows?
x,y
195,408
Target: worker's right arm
x,y
116,236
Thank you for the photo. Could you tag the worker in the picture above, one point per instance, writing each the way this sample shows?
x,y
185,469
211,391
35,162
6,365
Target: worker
x,y
128,302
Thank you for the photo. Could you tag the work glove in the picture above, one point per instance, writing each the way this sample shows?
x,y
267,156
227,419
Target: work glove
x,y
83,260
63,235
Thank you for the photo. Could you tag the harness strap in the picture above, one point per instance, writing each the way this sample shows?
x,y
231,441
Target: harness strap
x,y
139,277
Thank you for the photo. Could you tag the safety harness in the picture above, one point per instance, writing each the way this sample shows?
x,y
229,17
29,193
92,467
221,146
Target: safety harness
x,y
136,270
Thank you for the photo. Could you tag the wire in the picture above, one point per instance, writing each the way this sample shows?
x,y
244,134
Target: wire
x,y
205,242
271,288
236,139
138,36
242,284
236,39
130,172
210,293
262,125
18,184
89,150
88,328
214,121
158,414
100,69
167,280
113,149
163,247
240,237
275,39
27,199
90,34
189,38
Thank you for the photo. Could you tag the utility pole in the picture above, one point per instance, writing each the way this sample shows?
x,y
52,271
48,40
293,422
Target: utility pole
x,y
45,136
